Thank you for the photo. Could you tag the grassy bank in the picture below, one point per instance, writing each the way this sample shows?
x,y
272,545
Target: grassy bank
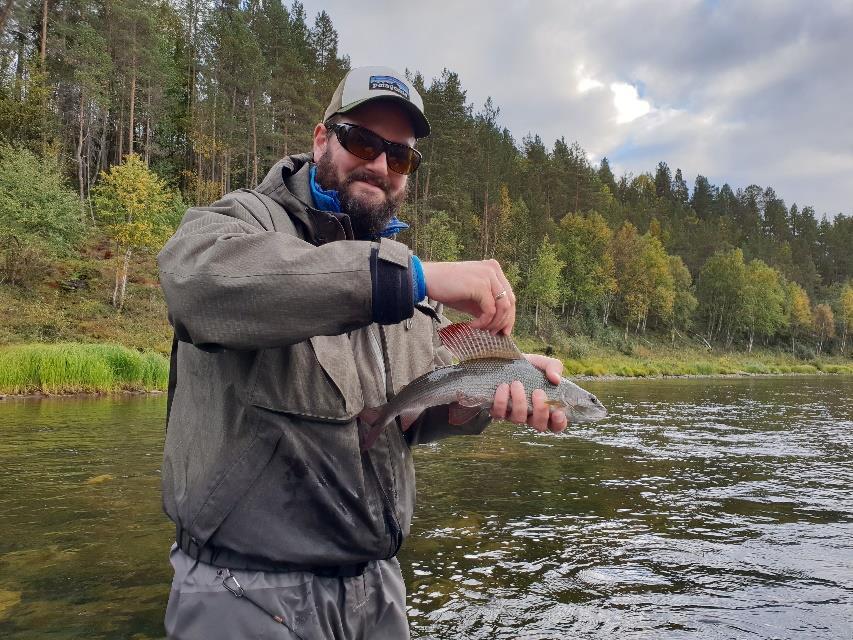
x,y
80,368
61,335
93,368
653,358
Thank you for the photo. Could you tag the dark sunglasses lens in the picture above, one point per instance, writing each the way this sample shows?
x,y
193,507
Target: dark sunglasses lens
x,y
362,143
403,159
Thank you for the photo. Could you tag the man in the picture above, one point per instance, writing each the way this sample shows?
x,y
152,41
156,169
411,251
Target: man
x,y
292,313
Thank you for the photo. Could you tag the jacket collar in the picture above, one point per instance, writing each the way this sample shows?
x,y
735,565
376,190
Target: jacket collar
x,y
288,184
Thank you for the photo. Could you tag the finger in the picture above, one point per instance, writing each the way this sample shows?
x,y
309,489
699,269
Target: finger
x,y
518,414
558,421
501,400
484,320
539,418
508,318
504,317
488,307
502,303
553,369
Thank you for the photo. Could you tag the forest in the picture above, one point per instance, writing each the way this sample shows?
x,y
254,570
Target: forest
x,y
116,115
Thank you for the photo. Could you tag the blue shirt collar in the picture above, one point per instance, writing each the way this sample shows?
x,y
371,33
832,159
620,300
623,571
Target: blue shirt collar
x,y
327,200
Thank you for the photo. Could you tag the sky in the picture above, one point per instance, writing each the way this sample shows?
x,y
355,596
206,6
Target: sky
x,y
744,92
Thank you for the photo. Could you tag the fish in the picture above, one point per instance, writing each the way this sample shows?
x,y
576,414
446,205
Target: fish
x,y
484,361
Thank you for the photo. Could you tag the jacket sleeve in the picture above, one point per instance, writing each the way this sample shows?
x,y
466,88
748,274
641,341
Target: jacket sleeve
x,y
433,423
231,283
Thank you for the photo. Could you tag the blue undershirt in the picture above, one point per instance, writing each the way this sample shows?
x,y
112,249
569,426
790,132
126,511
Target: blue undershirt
x,y
327,200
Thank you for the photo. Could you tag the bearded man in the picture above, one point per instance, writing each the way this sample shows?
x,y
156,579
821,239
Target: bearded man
x,y
293,310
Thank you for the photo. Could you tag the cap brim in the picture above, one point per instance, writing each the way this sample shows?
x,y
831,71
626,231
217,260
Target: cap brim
x,y
421,124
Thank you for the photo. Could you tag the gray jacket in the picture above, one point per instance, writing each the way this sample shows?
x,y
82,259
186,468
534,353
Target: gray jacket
x,y
274,307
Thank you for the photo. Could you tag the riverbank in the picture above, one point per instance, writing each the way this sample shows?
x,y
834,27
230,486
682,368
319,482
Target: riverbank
x,y
69,368
63,337
44,370
652,357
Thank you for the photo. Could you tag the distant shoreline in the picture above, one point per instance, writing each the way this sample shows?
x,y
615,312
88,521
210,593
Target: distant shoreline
x,y
582,378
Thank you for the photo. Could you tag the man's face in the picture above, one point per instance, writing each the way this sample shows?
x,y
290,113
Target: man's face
x,y
370,193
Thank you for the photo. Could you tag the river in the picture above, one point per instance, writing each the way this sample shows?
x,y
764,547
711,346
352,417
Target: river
x,y
701,508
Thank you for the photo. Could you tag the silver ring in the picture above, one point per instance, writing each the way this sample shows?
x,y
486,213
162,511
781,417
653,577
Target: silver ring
x,y
500,295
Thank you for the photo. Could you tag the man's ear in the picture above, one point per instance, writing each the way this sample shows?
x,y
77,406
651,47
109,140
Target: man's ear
x,y
321,139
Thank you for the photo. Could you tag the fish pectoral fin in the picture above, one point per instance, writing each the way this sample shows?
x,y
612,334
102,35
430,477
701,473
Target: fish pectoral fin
x,y
458,414
468,401
369,415
555,404
407,419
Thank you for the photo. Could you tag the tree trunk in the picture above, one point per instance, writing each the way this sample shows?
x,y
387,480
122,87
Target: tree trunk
x,y
102,148
4,14
43,50
130,128
79,156
42,61
254,143
120,125
484,230
147,137
121,282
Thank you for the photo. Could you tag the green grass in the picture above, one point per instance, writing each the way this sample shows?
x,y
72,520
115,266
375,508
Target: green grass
x,y
75,368
654,357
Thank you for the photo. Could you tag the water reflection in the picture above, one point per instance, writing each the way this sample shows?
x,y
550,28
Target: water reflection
x,y
710,509
700,508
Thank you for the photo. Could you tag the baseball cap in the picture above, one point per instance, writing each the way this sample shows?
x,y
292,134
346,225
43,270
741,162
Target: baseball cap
x,y
363,84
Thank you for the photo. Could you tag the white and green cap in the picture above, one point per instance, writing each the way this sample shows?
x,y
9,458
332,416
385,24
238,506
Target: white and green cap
x,y
363,84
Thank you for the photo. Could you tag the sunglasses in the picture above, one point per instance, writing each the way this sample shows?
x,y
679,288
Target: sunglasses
x,y
364,144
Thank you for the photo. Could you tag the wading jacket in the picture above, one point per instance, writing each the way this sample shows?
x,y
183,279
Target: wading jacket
x,y
286,328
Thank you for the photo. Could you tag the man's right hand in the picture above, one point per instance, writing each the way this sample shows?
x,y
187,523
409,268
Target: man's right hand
x,y
472,287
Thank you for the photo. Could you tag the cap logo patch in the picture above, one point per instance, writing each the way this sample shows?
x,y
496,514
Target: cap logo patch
x,y
389,83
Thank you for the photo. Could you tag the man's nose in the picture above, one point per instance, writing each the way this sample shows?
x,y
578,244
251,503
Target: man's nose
x,y
379,164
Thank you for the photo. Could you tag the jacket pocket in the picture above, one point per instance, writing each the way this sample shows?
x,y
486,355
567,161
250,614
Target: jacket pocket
x,y
412,349
315,379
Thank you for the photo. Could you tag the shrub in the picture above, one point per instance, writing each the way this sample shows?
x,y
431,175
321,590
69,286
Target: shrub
x,y
39,216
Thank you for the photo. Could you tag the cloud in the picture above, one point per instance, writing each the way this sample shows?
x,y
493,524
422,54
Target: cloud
x,y
627,101
744,93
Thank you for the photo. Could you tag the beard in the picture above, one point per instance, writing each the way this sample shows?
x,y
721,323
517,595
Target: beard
x,y
368,219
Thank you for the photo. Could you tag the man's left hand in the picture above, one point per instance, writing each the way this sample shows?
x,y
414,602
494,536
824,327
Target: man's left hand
x,y
542,418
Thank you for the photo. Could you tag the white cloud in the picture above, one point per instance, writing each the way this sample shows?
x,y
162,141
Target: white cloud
x,y
627,101
588,84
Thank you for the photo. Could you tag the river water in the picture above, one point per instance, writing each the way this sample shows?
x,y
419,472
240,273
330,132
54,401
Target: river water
x,y
701,508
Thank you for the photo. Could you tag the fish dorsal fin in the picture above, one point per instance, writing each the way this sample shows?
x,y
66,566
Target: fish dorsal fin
x,y
466,343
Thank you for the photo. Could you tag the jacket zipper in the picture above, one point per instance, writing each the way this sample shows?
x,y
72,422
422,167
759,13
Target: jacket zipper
x,y
380,354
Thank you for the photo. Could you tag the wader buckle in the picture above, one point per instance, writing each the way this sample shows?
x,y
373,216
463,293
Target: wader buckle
x,y
236,590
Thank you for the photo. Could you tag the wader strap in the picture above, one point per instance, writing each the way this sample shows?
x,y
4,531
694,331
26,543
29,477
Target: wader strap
x,y
227,559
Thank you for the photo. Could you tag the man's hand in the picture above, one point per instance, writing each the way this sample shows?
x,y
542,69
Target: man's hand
x,y
542,418
476,288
